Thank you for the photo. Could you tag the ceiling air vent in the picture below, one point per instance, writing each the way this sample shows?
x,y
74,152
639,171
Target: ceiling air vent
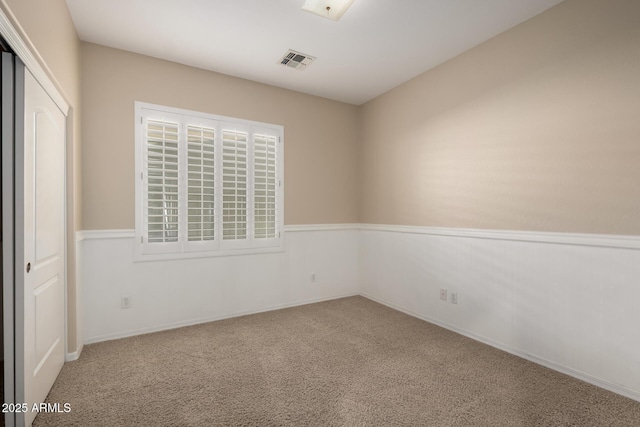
x,y
296,60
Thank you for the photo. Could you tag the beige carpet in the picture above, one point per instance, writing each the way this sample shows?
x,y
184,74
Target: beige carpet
x,y
347,362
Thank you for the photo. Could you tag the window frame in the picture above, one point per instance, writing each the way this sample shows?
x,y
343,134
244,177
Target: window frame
x,y
184,249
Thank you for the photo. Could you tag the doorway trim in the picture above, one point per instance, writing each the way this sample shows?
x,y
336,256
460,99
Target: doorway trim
x,y
32,61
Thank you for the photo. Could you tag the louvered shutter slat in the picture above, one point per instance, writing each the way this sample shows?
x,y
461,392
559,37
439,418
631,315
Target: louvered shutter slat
x,y
200,183
234,184
265,186
162,175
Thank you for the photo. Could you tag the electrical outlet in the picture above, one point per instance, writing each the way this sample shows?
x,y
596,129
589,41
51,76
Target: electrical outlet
x,y
125,302
453,297
313,277
443,294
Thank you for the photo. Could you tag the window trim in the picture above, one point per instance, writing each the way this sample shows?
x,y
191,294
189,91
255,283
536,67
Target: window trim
x,y
219,247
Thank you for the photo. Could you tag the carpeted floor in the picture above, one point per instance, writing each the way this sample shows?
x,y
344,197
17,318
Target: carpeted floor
x,y
347,362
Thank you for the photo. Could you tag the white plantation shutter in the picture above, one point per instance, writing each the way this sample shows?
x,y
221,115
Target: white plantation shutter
x,y
265,186
161,208
234,184
200,183
207,185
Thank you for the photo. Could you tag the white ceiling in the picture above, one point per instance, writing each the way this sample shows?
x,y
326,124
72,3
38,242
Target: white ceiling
x,y
377,45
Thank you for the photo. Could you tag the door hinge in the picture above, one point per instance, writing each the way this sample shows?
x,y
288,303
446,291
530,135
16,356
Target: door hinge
x,y
141,239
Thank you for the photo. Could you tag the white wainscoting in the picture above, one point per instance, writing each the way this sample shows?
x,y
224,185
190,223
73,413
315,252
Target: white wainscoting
x,y
168,294
570,302
566,301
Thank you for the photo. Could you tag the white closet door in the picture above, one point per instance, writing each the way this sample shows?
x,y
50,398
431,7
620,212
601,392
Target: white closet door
x,y
44,245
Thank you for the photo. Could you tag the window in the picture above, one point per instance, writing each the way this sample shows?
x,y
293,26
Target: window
x,y
206,185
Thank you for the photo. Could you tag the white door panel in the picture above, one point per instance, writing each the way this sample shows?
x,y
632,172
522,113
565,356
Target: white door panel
x,y
44,248
48,164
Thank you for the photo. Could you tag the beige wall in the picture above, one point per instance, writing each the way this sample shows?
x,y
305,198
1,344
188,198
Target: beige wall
x,y
320,135
48,28
536,129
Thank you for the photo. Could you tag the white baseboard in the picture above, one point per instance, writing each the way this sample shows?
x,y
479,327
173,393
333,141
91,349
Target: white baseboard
x,y
70,357
615,388
191,322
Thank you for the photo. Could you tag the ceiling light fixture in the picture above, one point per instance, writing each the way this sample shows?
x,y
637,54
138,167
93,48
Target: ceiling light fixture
x,y
331,9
